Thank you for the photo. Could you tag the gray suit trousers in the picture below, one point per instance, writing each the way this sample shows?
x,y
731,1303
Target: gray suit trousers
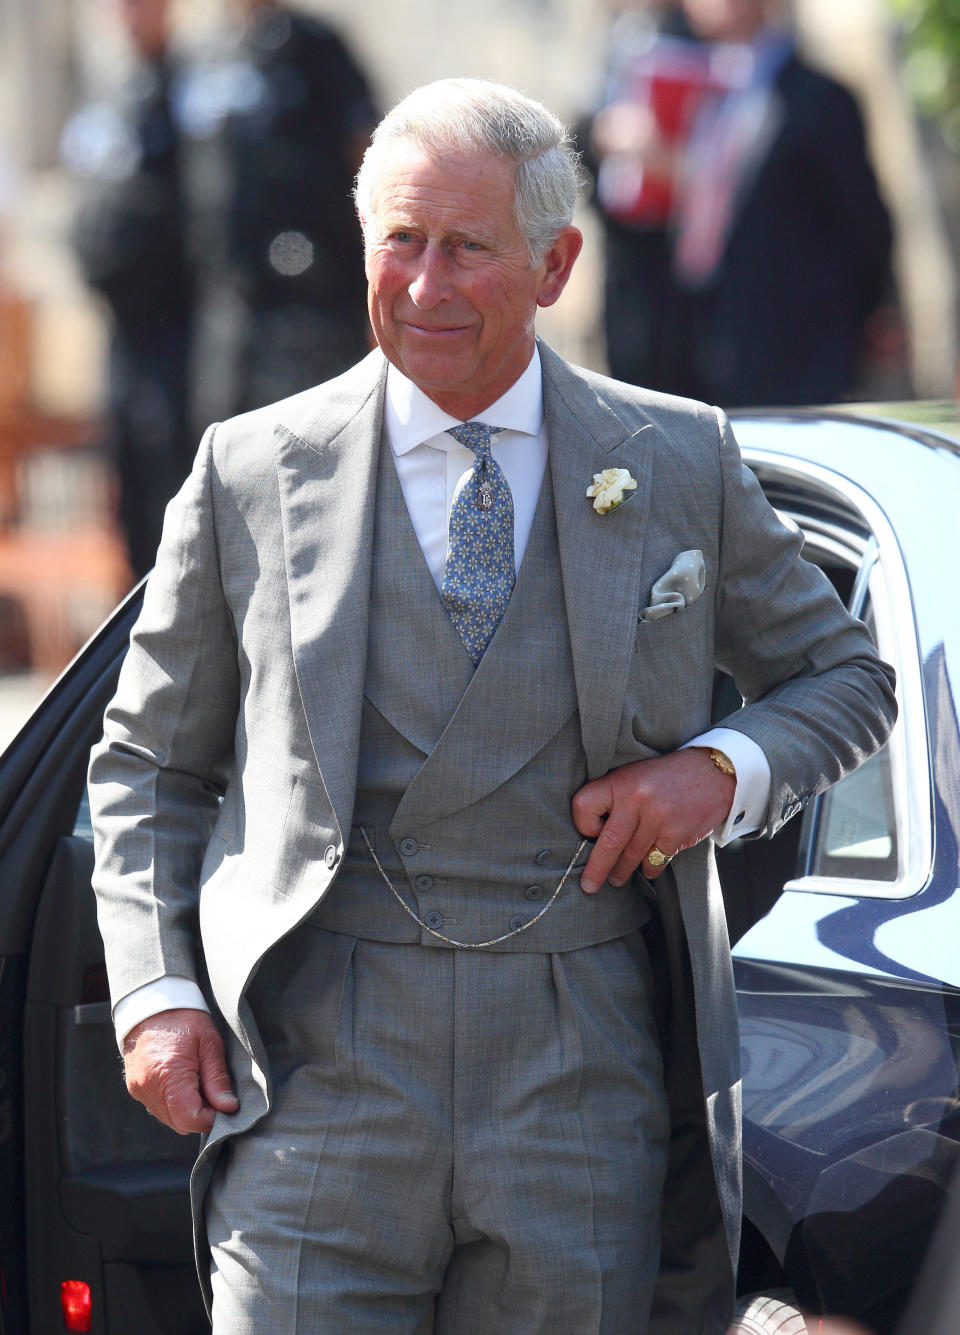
x,y
483,1132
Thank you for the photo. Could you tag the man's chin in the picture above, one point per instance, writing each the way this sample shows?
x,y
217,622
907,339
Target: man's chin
x,y
437,367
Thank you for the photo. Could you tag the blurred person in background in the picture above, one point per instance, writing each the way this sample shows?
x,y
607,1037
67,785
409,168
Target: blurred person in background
x,y
130,238
782,242
294,119
624,151
778,242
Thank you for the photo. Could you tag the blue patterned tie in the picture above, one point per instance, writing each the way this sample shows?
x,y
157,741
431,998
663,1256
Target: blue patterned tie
x,y
479,575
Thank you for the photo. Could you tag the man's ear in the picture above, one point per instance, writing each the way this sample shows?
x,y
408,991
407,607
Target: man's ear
x,y
558,263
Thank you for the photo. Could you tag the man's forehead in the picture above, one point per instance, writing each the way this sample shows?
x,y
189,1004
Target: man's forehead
x,y
410,173
442,211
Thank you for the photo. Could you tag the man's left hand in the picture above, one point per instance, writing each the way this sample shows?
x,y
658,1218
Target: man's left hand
x,y
669,803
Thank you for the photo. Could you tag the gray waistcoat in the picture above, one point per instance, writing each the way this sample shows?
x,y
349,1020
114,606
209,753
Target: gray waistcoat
x,y
476,873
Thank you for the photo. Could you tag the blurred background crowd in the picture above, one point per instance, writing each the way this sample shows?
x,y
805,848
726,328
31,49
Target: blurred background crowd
x,y
772,209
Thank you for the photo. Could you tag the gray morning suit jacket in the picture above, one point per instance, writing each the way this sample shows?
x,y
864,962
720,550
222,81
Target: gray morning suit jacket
x,y
245,679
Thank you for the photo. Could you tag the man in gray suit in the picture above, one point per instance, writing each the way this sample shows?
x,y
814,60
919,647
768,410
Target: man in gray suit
x,y
409,728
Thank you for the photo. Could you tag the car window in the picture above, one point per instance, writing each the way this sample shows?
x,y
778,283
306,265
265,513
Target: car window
x,y
871,834
83,826
854,833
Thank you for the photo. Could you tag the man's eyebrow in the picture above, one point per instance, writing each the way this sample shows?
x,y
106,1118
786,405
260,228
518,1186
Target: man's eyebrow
x,y
482,235
394,218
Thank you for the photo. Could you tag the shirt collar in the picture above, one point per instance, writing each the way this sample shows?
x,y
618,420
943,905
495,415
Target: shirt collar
x,y
411,418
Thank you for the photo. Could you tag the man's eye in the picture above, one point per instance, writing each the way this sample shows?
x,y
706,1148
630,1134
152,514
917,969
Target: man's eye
x,y
471,245
402,237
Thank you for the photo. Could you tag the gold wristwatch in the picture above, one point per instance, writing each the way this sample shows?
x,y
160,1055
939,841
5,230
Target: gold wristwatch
x,y
723,762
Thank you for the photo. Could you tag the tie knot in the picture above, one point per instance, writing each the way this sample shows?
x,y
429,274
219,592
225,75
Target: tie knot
x,y
474,435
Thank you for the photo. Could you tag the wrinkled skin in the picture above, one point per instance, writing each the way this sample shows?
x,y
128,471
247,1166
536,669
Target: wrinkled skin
x,y
175,1066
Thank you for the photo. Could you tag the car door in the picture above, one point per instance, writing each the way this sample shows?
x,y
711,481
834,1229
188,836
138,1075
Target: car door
x,y
94,1226
847,969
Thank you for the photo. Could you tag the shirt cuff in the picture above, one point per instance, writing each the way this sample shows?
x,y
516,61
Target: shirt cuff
x,y
748,811
172,992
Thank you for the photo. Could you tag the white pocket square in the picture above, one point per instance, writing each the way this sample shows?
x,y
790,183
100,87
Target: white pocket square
x,y
681,585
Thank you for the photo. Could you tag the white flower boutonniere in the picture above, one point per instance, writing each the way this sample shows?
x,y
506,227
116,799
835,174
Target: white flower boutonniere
x,y
608,488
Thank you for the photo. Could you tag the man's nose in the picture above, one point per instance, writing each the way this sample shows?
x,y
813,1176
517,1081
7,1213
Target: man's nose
x,y
430,284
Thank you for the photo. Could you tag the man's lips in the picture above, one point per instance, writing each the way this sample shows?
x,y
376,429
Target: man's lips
x,y
434,330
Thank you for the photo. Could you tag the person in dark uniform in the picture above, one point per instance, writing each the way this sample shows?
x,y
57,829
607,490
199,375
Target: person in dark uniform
x,y
290,146
630,192
775,249
782,243
130,235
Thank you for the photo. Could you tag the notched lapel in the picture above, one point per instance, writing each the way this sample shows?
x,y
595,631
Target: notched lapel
x,y
327,471
600,555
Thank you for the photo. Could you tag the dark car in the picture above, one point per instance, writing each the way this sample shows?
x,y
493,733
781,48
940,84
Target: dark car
x,y
849,987
847,956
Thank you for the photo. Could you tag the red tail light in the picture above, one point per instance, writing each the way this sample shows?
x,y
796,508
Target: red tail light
x,y
75,1304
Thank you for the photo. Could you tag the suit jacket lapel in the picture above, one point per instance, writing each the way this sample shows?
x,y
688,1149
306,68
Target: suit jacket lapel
x,y
600,555
327,472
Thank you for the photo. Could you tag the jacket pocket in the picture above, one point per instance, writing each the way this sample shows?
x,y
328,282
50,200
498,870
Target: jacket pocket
x,y
675,626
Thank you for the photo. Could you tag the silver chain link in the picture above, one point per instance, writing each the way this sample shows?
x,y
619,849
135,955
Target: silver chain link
x,y
471,945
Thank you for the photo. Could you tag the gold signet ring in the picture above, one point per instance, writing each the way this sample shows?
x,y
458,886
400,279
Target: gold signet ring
x,y
656,858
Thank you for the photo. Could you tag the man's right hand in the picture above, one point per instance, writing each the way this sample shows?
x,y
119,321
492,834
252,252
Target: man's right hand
x,y
175,1066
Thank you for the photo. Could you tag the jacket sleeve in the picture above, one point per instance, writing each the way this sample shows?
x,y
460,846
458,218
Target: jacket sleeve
x,y
158,773
817,698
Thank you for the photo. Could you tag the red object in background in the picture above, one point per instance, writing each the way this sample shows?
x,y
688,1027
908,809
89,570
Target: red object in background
x,y
75,1304
670,79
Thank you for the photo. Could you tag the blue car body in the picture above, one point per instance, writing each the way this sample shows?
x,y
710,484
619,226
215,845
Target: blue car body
x,y
849,987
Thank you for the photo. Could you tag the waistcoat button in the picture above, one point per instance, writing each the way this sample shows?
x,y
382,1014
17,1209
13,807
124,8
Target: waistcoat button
x,y
543,857
424,882
434,919
534,892
517,921
409,846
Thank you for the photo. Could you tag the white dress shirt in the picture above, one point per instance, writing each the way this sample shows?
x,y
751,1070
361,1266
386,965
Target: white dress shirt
x,y
431,464
430,467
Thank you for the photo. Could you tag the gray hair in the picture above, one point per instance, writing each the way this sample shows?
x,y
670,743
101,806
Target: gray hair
x,y
475,116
